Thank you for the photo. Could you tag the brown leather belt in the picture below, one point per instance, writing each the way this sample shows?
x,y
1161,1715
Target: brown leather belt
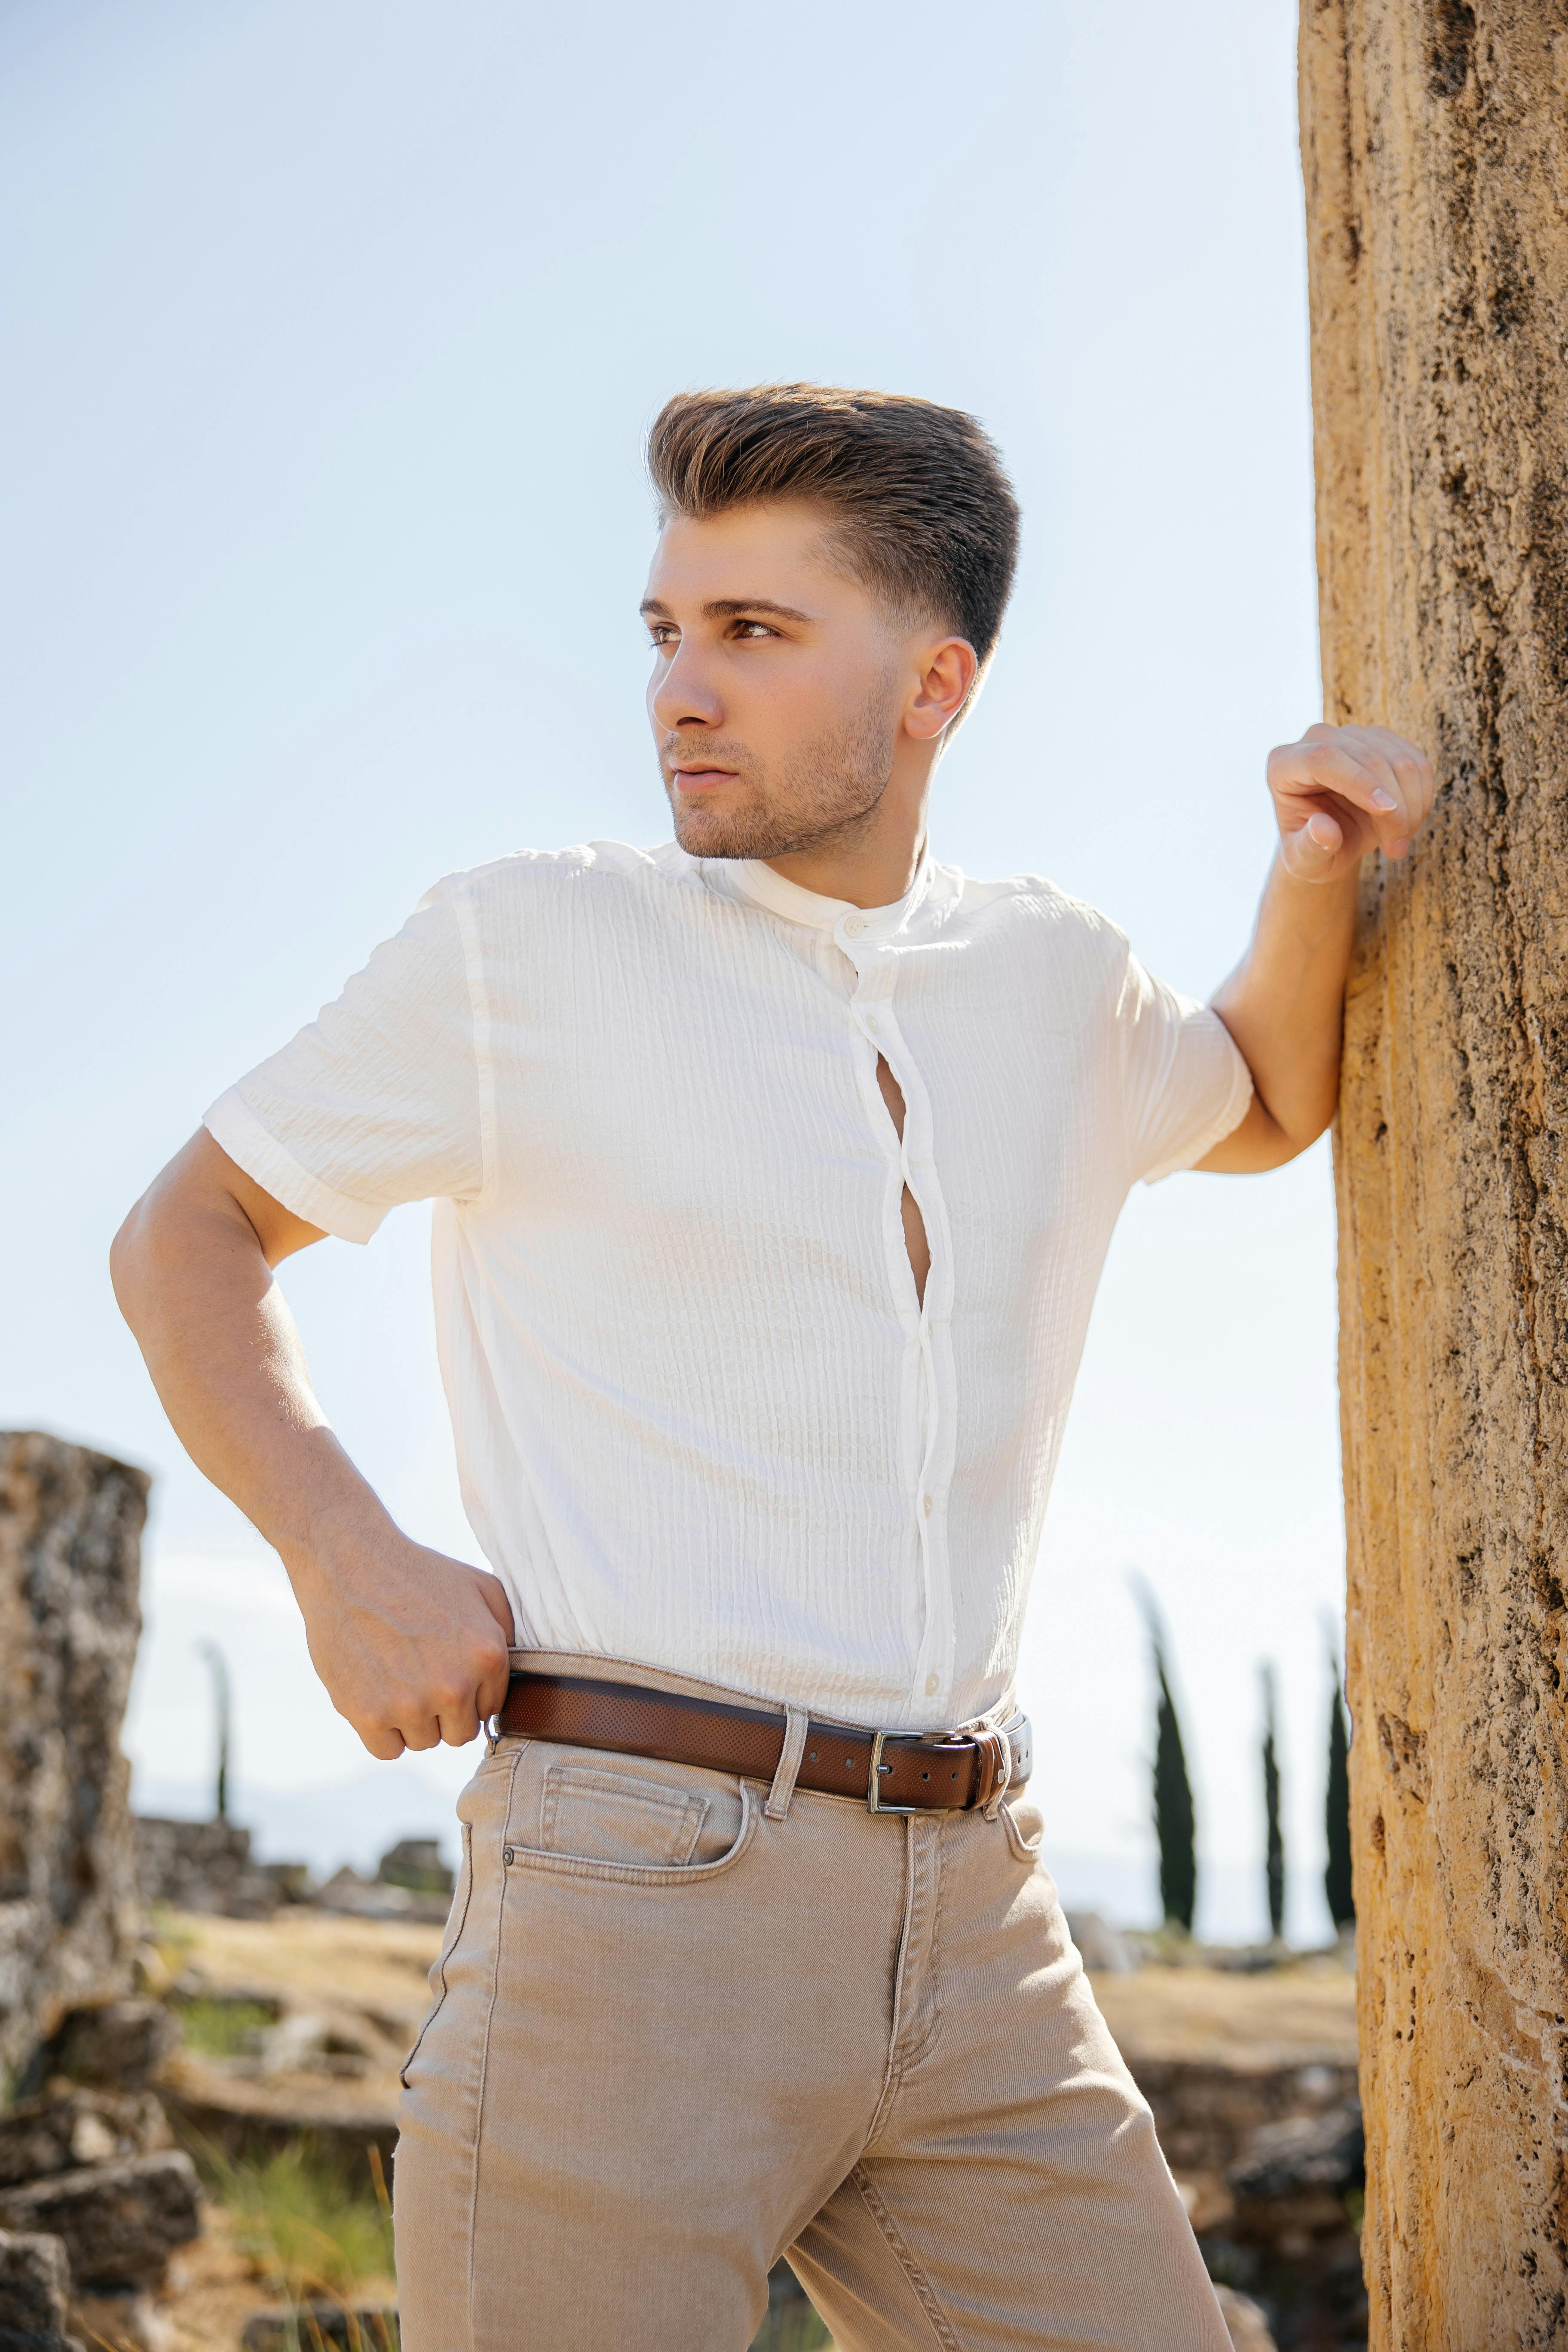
x,y
890,1771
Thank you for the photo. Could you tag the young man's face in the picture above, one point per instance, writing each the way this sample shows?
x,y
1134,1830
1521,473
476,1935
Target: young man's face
x,y
778,685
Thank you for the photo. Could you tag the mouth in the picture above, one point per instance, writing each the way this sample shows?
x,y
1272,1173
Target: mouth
x,y
697,779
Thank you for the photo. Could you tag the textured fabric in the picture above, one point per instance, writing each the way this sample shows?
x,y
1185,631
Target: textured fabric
x,y
674,2038
701,1417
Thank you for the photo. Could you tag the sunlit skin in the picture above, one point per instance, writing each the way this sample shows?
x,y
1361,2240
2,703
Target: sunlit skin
x,y
797,719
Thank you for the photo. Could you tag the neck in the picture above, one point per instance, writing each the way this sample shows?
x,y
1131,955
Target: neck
x,y
873,862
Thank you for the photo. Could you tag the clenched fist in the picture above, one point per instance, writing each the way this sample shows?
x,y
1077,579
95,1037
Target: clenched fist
x,y
412,1646
1341,791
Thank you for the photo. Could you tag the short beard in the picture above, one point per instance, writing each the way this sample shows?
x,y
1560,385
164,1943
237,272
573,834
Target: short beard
x,y
826,796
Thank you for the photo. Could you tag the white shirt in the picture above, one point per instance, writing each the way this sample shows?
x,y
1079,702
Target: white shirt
x,y
702,1419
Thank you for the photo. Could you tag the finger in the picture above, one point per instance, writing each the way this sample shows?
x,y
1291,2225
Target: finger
x,y
385,1744
1364,779
424,1731
459,1725
1311,852
1412,770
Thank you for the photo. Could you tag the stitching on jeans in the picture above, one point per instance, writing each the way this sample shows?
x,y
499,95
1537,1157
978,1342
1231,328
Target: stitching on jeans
x,y
485,2049
448,1952
916,2057
892,2079
911,2270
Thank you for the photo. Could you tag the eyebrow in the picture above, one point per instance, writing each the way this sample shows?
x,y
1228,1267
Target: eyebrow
x,y
727,608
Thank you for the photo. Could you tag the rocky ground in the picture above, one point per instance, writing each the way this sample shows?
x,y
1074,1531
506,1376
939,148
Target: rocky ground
x,y
298,2023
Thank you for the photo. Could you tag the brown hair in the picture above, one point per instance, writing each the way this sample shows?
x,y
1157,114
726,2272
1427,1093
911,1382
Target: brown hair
x,y
925,514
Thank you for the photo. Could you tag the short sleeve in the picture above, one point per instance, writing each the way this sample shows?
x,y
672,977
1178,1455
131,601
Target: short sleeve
x,y
377,1101
1186,1083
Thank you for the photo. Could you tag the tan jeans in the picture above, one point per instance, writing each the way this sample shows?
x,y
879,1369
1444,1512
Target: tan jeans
x,y
684,2025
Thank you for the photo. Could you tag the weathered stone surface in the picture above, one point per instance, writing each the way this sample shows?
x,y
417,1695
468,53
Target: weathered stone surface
x,y
120,2223
1435,143
35,2286
204,1866
60,2134
70,1527
118,2044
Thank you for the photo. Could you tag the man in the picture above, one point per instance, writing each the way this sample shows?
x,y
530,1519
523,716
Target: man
x,y
773,1171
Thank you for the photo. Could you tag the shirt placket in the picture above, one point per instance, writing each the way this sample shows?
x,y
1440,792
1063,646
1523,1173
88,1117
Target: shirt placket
x,y
927,1418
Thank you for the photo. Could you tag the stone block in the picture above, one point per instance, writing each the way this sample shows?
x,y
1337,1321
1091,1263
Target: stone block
x,y
70,1528
203,1866
120,2223
117,2044
60,2134
35,2286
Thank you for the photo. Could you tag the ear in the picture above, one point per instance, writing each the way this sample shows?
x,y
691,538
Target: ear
x,y
945,674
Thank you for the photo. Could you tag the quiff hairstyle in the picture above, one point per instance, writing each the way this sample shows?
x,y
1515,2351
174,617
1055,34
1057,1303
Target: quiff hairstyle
x,y
922,511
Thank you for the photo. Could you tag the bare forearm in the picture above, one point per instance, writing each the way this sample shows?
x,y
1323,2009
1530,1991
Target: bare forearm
x,y
412,1646
221,1345
1283,1005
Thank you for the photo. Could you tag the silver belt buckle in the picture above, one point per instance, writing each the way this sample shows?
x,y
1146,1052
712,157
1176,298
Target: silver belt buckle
x,y
873,1797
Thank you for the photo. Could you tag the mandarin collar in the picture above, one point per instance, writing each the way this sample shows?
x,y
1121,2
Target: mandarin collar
x,y
760,883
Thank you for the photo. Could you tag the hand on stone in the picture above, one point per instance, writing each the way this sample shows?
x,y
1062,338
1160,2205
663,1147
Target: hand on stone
x,y
412,1646
1342,791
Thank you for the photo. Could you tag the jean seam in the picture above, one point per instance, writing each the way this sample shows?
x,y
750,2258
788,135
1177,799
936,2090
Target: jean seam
x,y
485,2057
913,2058
449,1953
924,2292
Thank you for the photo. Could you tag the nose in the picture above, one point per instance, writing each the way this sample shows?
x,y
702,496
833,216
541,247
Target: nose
x,y
681,695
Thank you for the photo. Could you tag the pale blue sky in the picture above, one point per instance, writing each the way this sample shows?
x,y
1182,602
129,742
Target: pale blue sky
x,y
330,338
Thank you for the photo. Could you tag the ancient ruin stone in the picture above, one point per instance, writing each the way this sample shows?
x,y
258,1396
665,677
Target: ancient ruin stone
x,y
34,2289
60,2134
120,2223
117,2044
204,1866
70,1527
1434,145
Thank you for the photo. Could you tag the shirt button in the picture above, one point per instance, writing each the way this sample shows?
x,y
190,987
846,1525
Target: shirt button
x,y
871,1024
933,1685
925,1505
853,928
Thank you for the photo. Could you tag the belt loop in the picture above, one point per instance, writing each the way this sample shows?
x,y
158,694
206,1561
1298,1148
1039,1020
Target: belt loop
x,y
796,1722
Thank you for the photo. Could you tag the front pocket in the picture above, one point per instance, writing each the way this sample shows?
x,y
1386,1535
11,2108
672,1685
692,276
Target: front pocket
x,y
457,1918
601,1815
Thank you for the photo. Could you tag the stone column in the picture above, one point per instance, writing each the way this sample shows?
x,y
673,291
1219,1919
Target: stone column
x,y
1435,147
71,1529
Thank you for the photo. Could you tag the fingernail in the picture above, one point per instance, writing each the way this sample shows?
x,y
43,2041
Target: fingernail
x,y
1384,800
1316,838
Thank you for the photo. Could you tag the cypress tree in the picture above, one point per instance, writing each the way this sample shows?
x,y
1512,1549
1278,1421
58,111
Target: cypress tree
x,y
1274,1866
1337,1808
218,1666
1173,1819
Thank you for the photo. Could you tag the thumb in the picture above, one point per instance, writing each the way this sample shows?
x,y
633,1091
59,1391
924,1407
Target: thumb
x,y
1310,853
